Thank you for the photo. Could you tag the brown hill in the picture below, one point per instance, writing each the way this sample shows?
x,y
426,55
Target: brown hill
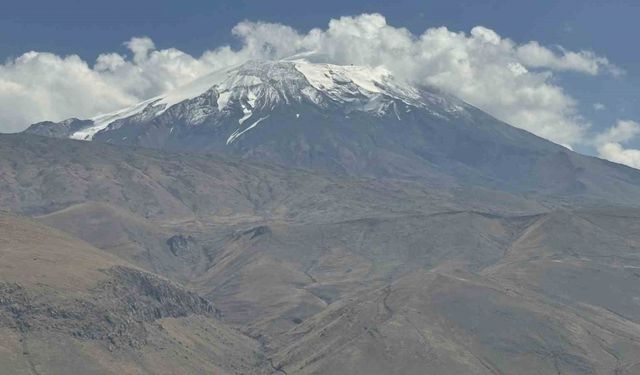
x,y
67,307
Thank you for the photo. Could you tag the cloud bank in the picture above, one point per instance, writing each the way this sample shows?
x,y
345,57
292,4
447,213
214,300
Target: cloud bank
x,y
514,82
611,143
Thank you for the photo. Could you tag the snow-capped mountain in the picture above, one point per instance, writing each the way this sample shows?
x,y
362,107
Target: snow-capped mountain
x,y
348,119
242,93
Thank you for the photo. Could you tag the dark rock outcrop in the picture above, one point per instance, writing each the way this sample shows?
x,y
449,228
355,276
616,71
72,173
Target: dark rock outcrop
x,y
62,129
116,311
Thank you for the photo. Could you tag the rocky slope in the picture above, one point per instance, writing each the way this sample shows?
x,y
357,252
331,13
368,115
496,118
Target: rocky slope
x,y
323,274
67,307
559,300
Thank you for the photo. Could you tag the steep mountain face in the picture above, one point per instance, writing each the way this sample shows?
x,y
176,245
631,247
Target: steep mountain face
x,y
353,120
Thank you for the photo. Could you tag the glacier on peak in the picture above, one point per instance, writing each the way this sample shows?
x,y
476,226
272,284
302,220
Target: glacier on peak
x,y
263,85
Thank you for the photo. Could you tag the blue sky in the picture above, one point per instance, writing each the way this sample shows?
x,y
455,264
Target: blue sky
x,y
91,28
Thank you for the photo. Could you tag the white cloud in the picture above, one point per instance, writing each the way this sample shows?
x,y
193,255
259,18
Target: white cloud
x,y
599,106
39,86
610,143
534,55
140,48
482,68
617,153
622,132
513,82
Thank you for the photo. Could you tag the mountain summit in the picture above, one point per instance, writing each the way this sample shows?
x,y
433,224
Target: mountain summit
x,y
352,120
242,93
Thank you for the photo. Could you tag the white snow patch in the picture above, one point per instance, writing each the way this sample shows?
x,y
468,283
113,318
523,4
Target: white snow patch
x,y
395,110
102,121
195,88
238,132
251,99
342,82
223,99
247,114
